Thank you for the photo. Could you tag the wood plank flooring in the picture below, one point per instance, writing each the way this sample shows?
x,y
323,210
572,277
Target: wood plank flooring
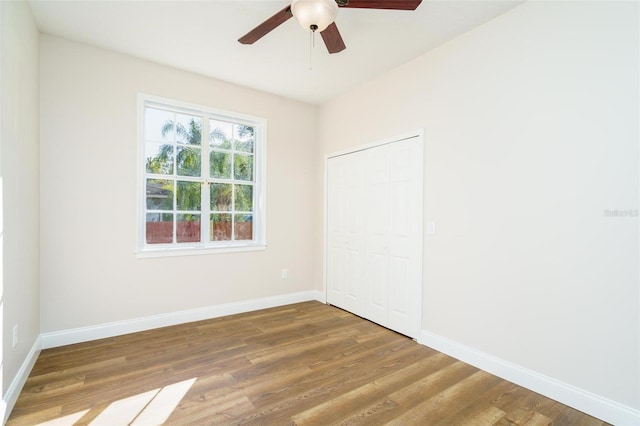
x,y
302,364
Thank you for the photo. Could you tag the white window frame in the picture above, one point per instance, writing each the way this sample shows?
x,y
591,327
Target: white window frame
x,y
259,124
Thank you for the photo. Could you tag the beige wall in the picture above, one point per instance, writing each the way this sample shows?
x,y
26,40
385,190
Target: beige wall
x,y
90,274
20,174
531,135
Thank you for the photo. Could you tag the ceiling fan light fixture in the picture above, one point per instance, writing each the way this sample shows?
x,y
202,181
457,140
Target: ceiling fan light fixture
x,y
314,15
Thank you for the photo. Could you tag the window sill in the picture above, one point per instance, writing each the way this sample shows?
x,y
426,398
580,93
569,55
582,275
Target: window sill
x,y
196,251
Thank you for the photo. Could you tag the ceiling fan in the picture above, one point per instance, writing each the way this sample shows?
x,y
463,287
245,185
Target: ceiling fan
x,y
319,15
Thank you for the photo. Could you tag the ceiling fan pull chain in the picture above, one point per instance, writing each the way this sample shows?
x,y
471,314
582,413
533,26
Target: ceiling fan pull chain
x,y
311,41
313,37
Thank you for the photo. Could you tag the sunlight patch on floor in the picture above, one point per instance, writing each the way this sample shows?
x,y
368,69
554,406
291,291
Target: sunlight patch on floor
x,y
161,407
149,408
122,412
66,420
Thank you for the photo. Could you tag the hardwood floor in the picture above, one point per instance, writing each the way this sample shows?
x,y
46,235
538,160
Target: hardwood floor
x,y
302,364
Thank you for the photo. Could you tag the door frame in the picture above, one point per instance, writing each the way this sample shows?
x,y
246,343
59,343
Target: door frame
x,y
419,133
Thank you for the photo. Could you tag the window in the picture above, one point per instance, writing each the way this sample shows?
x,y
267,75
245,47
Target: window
x,y
201,179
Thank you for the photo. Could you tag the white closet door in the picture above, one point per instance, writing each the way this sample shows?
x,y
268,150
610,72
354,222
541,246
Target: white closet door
x,y
336,230
374,238
377,234
345,258
405,237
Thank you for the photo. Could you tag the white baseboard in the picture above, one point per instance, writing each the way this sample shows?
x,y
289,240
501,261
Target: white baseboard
x,y
13,391
101,331
587,402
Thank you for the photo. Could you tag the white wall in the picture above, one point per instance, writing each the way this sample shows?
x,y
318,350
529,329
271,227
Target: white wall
x,y
19,88
90,274
531,136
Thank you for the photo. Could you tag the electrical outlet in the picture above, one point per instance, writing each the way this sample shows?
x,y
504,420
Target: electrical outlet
x,y
284,274
15,335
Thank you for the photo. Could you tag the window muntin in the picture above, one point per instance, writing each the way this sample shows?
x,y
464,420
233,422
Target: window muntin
x,y
202,179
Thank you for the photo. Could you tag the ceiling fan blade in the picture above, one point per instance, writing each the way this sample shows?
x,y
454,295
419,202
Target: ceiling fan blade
x,y
385,4
267,26
333,39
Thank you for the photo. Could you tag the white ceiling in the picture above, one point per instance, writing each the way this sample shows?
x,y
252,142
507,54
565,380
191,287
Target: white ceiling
x,y
201,36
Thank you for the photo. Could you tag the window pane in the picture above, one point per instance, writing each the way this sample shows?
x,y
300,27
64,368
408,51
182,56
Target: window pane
x,y
159,228
155,125
244,198
188,228
243,167
188,196
243,136
221,196
220,227
221,134
188,160
188,129
220,164
159,158
243,229
159,194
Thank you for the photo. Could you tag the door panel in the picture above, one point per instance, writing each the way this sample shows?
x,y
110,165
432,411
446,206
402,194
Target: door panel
x,y
376,305
336,232
400,296
406,237
376,189
345,233
336,275
354,214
